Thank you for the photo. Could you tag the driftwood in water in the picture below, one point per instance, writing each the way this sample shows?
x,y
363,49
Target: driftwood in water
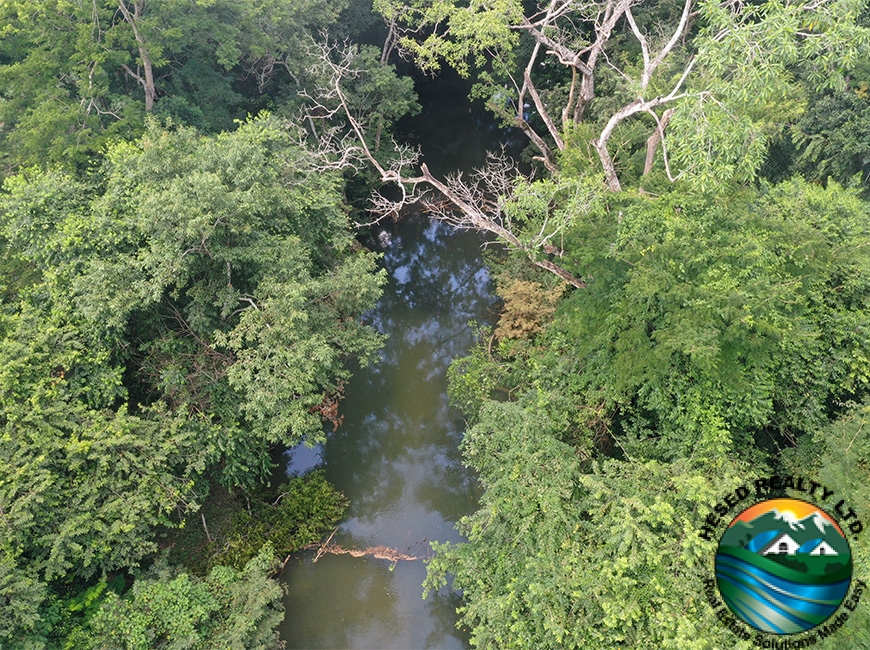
x,y
323,546
377,552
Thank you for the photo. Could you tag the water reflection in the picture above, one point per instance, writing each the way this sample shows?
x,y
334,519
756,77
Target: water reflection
x,y
396,456
341,587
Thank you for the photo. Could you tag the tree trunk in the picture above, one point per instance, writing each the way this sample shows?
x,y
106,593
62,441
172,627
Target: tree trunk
x,y
150,90
207,535
148,82
653,141
378,133
542,110
389,42
562,273
610,176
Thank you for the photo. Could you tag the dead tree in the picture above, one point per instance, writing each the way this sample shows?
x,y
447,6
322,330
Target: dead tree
x,y
548,29
475,204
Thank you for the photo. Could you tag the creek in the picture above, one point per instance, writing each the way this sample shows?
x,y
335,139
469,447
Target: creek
x,y
396,455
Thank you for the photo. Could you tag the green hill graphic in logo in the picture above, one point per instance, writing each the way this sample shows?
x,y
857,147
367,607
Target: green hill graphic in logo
x,y
783,566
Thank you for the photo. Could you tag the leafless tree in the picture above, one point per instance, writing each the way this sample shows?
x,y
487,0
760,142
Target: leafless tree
x,y
557,28
548,28
477,203
580,35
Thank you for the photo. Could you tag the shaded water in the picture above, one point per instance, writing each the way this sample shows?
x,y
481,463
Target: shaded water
x,y
396,455
396,458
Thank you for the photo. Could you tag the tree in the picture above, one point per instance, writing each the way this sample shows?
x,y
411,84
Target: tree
x,y
711,85
189,304
75,76
133,15
837,454
305,507
229,608
82,486
690,67
576,555
22,594
232,265
483,204
829,137
715,334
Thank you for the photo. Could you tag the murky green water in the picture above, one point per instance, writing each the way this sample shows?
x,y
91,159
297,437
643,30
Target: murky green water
x,y
396,458
396,455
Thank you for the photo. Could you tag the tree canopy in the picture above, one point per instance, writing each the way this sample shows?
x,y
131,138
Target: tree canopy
x,y
685,299
78,75
192,302
719,337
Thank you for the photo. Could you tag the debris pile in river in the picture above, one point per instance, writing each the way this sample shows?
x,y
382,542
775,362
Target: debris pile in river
x,y
377,552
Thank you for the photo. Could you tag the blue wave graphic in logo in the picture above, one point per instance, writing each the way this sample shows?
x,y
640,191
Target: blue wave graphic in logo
x,y
772,603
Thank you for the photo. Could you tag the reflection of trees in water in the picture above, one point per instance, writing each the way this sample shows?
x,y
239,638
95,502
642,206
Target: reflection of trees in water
x,y
397,454
444,603
352,607
388,465
437,285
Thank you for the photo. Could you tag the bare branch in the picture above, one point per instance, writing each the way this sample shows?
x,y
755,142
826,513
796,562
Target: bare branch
x,y
476,204
678,33
520,122
658,137
135,76
644,48
542,110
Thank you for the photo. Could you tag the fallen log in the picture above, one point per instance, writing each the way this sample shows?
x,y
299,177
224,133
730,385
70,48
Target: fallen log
x,y
377,552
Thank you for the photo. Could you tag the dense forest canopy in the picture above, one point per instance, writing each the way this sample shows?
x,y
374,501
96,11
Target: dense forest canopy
x,y
685,300
181,292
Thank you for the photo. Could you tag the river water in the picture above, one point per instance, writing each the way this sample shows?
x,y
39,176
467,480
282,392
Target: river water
x,y
396,454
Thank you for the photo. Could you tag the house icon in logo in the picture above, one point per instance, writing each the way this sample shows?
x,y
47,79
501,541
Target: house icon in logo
x,y
784,544
823,549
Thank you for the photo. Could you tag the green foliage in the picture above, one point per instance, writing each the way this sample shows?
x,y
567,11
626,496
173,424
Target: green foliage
x,y
839,456
476,30
22,594
831,138
304,509
745,85
58,83
734,313
230,262
229,608
73,74
731,77
715,331
380,97
188,304
69,617
566,555
82,487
